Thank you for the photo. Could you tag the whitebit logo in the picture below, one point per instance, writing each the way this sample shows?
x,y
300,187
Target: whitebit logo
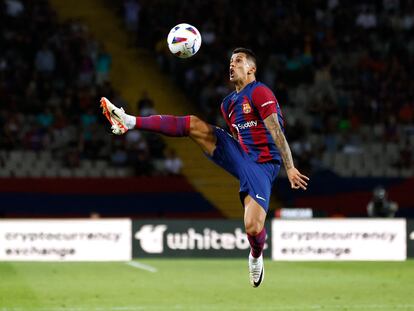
x,y
208,239
151,238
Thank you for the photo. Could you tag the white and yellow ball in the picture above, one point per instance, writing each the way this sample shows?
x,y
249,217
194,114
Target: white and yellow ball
x,y
184,40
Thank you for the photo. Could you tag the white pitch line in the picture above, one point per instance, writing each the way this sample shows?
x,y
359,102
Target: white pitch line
x,y
142,266
156,307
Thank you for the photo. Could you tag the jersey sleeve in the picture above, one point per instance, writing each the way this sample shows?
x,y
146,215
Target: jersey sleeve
x,y
264,101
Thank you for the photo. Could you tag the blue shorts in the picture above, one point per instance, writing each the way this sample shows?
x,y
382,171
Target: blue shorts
x,y
256,179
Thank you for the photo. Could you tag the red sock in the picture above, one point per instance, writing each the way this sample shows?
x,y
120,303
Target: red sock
x,y
257,243
165,124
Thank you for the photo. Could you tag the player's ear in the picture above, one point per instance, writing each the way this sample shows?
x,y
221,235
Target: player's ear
x,y
252,69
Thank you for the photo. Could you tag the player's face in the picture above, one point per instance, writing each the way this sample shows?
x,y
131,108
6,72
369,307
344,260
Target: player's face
x,y
240,67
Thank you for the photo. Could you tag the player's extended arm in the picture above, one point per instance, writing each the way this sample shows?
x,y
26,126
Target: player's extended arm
x,y
297,180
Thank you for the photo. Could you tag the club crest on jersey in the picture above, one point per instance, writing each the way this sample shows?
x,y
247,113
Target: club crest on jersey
x,y
246,107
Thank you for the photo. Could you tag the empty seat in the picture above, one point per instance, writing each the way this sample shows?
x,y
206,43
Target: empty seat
x,y
19,172
29,156
15,156
392,172
392,151
44,156
110,172
5,172
64,172
375,148
36,172
80,172
50,172
86,164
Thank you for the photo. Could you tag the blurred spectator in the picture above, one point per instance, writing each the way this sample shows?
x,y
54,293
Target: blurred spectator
x,y
172,163
131,14
72,156
103,66
119,157
141,162
45,119
406,157
45,60
145,105
406,113
366,19
118,101
14,7
131,11
86,72
380,206
94,215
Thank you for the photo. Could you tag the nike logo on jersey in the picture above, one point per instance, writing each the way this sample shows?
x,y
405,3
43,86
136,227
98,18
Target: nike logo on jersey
x,y
260,198
230,114
268,103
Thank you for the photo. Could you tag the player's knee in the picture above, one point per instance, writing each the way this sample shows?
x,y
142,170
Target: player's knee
x,y
253,227
195,124
202,133
199,128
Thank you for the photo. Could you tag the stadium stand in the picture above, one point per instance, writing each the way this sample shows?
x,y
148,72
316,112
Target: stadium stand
x,y
53,133
51,78
342,72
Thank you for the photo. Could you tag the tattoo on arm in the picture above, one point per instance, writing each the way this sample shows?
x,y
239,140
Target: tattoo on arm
x,y
273,126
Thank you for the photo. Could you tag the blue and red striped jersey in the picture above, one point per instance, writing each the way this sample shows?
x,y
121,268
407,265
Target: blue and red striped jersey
x,y
244,113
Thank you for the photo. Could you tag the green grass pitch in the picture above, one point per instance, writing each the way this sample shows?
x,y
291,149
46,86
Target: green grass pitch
x,y
191,284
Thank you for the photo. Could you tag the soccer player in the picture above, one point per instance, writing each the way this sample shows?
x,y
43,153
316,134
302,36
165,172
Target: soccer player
x,y
252,153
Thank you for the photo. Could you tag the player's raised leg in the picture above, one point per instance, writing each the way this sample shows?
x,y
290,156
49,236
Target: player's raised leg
x,y
176,126
254,220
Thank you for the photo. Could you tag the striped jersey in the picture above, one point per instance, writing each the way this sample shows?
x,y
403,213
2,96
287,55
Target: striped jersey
x,y
244,113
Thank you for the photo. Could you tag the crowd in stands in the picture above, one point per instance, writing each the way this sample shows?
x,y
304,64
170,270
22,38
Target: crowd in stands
x,y
343,71
51,78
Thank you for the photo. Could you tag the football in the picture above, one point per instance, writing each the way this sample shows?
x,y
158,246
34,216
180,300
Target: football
x,y
184,40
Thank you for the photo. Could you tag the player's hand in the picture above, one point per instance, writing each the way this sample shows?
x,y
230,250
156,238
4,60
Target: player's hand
x,y
297,180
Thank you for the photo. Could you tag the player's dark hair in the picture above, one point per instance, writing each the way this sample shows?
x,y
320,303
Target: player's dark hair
x,y
249,54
